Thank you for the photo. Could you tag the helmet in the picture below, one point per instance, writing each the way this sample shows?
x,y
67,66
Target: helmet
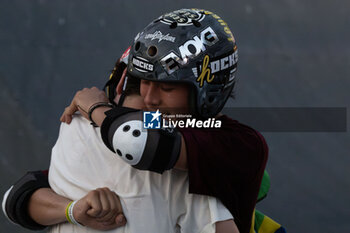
x,y
115,76
190,46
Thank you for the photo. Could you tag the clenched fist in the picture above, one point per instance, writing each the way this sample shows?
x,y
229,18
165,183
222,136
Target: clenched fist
x,y
100,209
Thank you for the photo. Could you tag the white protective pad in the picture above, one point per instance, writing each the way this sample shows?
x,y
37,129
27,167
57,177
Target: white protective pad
x,y
129,141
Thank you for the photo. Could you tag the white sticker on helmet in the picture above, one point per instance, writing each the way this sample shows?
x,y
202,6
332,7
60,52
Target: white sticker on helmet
x,y
190,49
158,35
142,64
183,17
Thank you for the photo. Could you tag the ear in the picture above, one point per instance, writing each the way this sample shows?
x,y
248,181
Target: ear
x,y
121,83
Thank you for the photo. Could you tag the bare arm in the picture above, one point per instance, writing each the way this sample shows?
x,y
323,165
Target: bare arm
x,y
228,226
47,208
99,209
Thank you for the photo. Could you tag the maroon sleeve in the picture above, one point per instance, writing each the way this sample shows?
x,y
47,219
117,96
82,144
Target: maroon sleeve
x,y
227,163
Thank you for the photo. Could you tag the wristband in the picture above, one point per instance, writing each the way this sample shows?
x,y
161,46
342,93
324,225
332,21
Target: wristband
x,y
93,107
69,214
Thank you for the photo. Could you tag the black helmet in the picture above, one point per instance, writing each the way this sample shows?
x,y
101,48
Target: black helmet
x,y
191,46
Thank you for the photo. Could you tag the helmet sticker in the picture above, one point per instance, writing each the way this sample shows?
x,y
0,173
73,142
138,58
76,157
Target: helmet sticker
x,y
158,35
207,37
183,17
206,70
141,64
171,62
126,53
224,24
138,36
190,49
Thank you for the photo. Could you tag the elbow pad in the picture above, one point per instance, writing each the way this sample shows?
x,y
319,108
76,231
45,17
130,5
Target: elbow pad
x,y
15,200
154,150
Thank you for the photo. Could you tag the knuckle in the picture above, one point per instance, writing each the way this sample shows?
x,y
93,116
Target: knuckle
x,y
96,212
93,193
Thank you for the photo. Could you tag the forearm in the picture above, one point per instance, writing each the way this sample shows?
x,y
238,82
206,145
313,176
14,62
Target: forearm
x,y
46,207
227,226
98,115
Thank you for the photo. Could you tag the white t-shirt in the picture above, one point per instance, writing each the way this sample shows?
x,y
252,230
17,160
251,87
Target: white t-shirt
x,y
151,202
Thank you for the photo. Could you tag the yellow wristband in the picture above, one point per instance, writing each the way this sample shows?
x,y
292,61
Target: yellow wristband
x,y
67,212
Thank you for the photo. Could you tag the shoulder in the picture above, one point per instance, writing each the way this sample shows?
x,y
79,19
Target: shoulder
x,y
245,132
233,146
245,140
231,134
78,133
78,126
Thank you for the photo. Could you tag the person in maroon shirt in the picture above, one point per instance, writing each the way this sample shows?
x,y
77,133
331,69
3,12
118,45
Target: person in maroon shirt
x,y
226,162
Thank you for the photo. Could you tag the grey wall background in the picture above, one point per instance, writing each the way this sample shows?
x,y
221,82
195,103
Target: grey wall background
x,y
292,54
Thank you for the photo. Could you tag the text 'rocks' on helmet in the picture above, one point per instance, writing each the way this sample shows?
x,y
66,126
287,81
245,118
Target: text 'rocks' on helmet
x,y
192,46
